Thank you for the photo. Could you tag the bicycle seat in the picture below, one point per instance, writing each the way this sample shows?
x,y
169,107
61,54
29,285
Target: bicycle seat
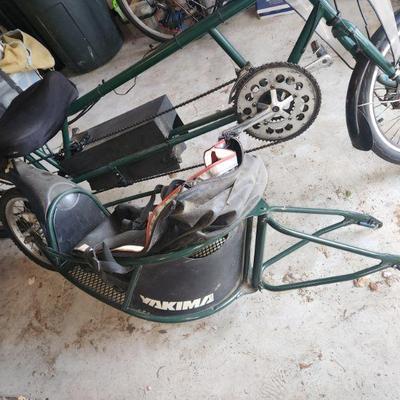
x,y
36,115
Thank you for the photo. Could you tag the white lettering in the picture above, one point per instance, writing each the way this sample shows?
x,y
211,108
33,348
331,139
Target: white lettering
x,y
145,299
168,305
207,300
178,305
189,305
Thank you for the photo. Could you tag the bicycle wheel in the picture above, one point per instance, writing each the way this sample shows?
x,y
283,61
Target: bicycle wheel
x,y
23,227
4,186
162,20
374,106
3,230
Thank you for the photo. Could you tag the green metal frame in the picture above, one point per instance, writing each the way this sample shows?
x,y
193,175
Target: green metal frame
x,y
346,33
254,265
266,218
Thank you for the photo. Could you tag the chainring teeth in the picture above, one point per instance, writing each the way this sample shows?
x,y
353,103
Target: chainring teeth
x,y
288,89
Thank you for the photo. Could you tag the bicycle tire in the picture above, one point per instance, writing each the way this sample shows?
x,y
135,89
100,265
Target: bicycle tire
x,y
136,21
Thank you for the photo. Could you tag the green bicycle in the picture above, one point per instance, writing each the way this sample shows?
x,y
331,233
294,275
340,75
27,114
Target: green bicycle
x,y
277,102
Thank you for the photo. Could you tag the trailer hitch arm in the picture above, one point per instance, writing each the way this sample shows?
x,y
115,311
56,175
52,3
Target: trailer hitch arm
x,y
349,218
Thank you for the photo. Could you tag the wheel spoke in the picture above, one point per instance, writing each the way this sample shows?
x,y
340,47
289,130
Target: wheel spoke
x,y
387,131
377,116
398,130
26,229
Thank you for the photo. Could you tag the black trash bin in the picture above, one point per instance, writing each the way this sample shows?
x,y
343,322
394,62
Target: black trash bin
x,y
11,17
81,33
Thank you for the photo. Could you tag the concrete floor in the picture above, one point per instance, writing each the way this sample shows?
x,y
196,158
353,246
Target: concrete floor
x,y
334,342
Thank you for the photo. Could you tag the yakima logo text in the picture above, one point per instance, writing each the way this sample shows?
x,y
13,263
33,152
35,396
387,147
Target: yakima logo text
x,y
178,305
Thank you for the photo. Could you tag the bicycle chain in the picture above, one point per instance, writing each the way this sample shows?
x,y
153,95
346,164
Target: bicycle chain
x,y
128,182
150,118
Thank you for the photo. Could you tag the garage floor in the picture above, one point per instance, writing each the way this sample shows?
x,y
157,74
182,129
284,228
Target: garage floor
x,y
335,342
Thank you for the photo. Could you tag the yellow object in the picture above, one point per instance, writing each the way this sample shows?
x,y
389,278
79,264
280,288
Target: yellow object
x,y
23,53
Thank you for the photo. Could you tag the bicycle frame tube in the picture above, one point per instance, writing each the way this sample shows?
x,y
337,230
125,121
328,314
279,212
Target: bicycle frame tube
x,y
344,31
308,31
207,25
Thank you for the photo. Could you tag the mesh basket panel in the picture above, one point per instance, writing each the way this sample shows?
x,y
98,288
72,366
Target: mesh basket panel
x,y
212,248
92,282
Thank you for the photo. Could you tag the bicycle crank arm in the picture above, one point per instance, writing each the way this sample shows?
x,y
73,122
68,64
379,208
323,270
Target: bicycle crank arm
x,y
238,129
323,58
324,61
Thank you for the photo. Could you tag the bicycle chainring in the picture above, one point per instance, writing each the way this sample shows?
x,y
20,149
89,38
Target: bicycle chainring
x,y
288,90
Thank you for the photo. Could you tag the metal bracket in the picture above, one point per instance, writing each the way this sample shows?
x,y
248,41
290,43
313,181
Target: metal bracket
x,y
323,58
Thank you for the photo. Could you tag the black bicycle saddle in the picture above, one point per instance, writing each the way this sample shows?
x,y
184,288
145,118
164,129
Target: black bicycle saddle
x,y
36,115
